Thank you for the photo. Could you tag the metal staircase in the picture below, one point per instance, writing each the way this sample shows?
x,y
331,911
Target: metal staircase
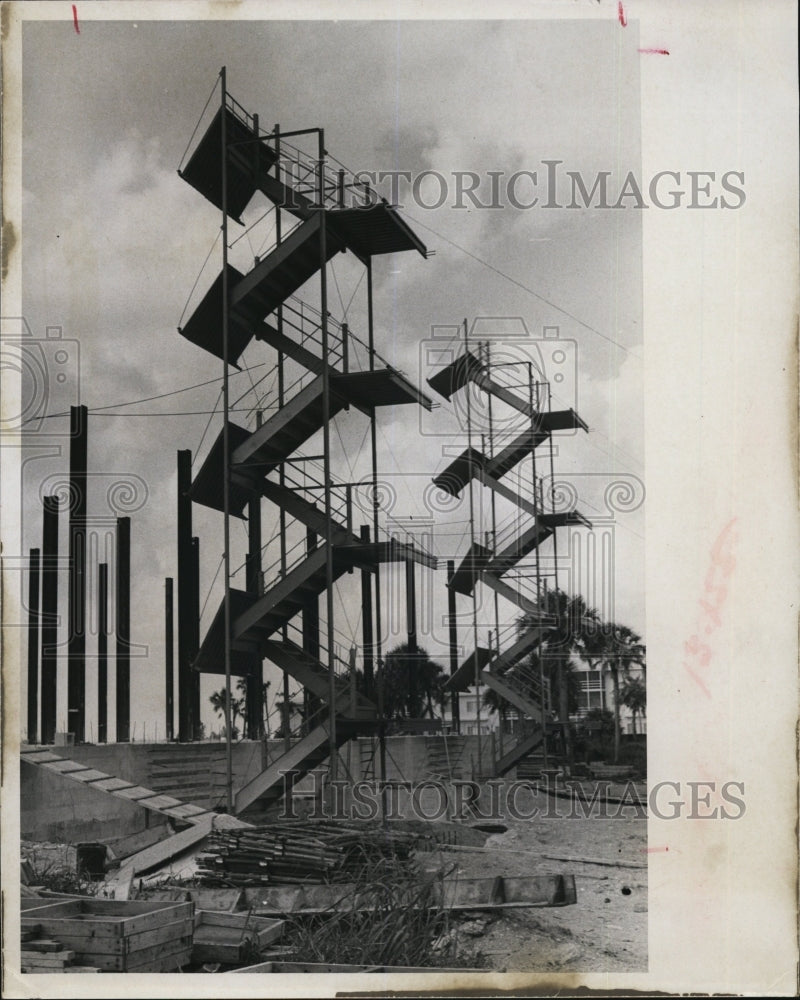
x,y
330,212
498,565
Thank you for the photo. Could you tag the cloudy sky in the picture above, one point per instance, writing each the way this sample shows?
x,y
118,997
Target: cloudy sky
x,y
114,240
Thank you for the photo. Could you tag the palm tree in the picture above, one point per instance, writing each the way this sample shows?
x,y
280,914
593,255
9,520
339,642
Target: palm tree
x,y
218,699
566,623
616,648
412,681
634,697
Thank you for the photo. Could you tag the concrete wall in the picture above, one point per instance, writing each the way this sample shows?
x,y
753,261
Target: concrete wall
x,y
59,810
56,809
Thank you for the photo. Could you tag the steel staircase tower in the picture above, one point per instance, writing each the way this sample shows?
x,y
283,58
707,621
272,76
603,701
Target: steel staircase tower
x,y
329,212
504,670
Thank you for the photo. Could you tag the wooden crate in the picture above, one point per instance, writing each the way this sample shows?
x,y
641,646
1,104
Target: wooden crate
x,y
224,937
119,935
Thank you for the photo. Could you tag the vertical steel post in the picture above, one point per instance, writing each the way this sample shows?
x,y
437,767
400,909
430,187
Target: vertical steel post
x,y
226,448
411,626
477,681
186,676
47,730
102,653
76,611
373,432
282,470
326,457
253,714
194,643
33,646
368,657
123,629
453,634
310,627
169,642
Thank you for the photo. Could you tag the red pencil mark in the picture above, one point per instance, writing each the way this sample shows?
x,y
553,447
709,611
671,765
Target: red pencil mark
x,y
654,52
621,14
698,654
75,19
655,850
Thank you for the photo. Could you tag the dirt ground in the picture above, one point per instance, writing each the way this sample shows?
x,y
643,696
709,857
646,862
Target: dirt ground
x,y
606,931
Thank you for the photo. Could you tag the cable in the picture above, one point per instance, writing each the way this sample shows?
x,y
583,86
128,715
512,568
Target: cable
x,y
196,452
525,288
211,587
197,279
338,292
197,126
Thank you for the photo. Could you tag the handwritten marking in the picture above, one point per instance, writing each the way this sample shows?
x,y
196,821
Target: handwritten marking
x,y
698,654
654,52
621,14
655,850
75,19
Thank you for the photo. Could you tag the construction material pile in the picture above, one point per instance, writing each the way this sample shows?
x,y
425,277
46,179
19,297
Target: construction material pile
x,y
292,852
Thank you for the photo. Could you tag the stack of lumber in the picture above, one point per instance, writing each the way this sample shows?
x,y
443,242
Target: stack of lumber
x,y
114,935
42,954
291,852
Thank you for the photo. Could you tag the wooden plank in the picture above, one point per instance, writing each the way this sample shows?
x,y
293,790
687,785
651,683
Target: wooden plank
x,y
219,900
178,952
142,959
607,862
41,944
129,944
261,967
166,849
54,958
71,920
170,963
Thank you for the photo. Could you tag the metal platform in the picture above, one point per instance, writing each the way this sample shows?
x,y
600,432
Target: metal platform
x,y
204,169
470,568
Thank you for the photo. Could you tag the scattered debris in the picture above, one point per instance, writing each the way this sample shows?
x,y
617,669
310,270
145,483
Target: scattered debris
x,y
290,852
228,938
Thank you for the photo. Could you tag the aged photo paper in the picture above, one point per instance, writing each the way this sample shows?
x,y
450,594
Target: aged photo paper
x,y
510,415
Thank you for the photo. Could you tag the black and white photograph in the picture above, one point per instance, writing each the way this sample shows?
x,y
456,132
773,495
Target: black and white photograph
x,y
385,390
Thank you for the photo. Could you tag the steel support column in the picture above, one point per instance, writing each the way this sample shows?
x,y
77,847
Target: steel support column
x,y
76,611
47,730
123,629
102,653
453,633
186,676
169,659
33,646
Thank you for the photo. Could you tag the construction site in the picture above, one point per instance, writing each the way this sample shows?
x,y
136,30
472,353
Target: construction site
x,y
409,770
